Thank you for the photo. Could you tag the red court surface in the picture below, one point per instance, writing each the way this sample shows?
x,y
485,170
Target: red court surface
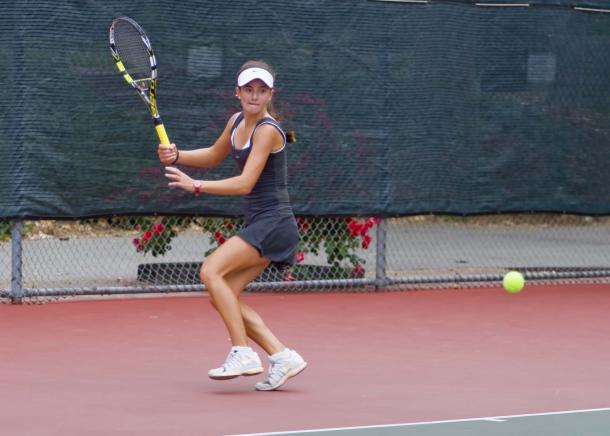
x,y
139,366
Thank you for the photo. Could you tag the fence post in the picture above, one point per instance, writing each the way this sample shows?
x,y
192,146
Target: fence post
x,y
380,273
16,292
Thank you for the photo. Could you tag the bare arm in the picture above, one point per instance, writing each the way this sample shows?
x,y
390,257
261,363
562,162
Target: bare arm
x,y
266,139
202,157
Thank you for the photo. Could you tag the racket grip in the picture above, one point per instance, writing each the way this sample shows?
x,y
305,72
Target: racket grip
x,y
162,134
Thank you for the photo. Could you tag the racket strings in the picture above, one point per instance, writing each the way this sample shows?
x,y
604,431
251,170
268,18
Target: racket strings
x,y
133,52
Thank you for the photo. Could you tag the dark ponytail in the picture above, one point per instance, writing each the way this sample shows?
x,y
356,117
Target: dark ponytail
x,y
291,136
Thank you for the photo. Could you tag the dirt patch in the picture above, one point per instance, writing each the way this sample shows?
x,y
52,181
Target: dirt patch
x,y
72,229
509,220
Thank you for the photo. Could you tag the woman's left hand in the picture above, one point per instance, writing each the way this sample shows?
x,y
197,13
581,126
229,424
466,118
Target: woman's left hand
x,y
179,179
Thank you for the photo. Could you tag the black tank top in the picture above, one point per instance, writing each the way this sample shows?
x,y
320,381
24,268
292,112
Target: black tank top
x,y
270,193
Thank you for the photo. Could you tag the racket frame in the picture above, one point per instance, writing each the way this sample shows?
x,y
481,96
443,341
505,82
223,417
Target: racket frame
x,y
148,94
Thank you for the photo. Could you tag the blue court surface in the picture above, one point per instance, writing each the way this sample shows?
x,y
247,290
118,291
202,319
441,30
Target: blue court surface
x,y
590,422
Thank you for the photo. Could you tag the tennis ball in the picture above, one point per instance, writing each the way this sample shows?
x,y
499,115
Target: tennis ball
x,y
513,282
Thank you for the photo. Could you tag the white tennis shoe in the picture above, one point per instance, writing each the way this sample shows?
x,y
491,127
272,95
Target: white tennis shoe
x,y
240,361
284,365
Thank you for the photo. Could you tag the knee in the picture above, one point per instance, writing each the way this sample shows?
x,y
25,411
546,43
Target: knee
x,y
209,275
206,273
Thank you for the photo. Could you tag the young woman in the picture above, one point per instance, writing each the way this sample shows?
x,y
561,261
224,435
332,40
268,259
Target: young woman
x,y
258,144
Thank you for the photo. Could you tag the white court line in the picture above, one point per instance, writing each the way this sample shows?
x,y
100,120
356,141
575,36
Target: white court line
x,y
409,424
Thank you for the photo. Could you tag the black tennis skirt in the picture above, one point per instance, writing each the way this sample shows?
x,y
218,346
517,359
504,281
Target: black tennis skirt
x,y
275,237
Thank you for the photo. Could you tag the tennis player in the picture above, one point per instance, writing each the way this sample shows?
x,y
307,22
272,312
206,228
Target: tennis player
x,y
255,140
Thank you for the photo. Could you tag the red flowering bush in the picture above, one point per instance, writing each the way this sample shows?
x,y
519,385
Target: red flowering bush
x,y
154,233
220,229
339,239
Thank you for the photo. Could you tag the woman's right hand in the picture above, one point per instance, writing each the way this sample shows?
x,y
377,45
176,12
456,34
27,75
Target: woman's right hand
x,y
167,155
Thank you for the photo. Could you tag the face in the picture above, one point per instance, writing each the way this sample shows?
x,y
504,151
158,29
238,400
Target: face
x,y
254,96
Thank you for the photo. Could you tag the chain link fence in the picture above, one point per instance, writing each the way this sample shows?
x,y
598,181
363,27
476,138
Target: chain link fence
x,y
152,254
5,259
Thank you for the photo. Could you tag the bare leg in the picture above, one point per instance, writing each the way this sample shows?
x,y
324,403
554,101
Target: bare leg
x,y
285,363
255,327
233,256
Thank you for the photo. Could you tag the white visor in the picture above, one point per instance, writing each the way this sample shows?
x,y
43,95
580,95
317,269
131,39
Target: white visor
x,y
250,74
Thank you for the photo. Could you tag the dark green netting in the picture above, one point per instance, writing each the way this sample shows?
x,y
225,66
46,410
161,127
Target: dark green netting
x,y
398,108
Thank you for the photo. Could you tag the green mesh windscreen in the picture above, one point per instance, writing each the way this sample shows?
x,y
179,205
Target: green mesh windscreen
x,y
398,108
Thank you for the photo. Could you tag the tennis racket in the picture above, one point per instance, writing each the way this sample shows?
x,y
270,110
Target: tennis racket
x,y
136,61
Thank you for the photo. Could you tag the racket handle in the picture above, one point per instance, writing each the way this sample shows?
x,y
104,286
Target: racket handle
x,y
162,134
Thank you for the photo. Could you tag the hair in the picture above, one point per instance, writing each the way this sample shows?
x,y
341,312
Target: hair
x,y
290,135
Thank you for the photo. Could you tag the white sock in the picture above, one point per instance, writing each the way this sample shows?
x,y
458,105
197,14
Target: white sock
x,y
240,349
284,353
